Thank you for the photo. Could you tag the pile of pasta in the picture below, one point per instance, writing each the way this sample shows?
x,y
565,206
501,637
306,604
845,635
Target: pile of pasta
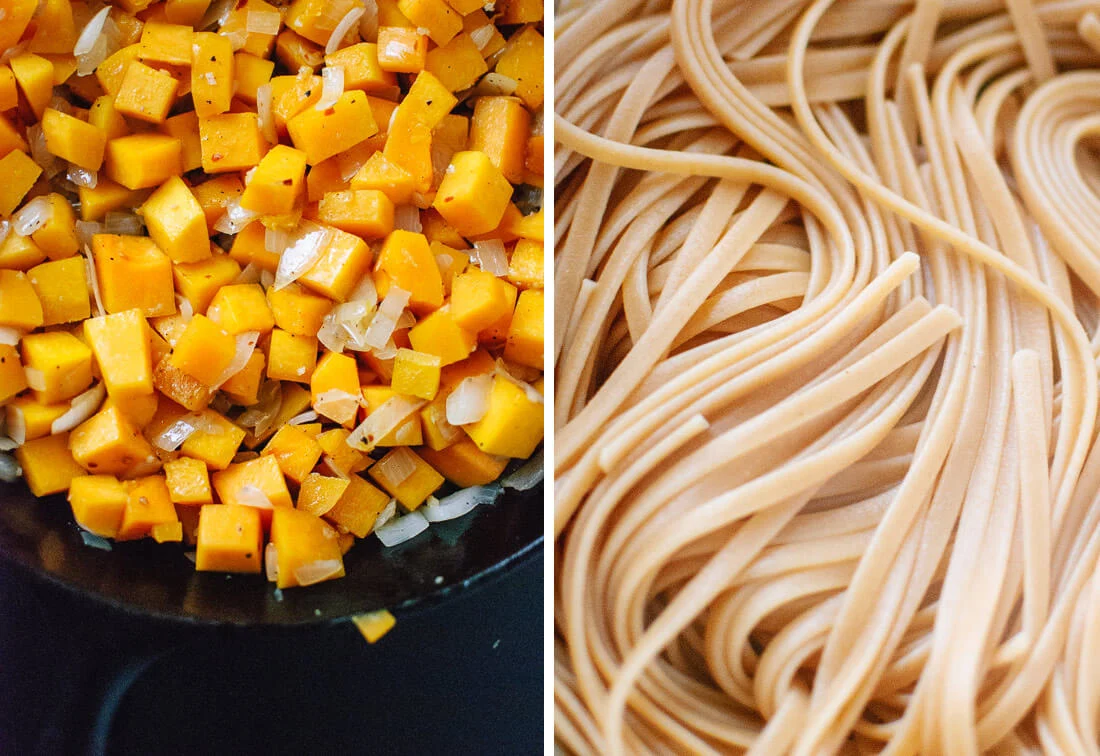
x,y
827,335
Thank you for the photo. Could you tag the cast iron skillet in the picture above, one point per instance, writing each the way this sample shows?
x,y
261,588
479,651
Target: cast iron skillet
x,y
157,581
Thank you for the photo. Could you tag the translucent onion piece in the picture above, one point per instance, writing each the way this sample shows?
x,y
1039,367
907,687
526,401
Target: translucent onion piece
x,y
332,86
17,425
460,503
396,467
394,303
263,22
490,257
249,274
386,352
382,326
365,291
407,218
276,240
302,418
337,405
91,32
265,113
537,123
388,513
93,283
8,444
494,84
383,421
251,496
46,160
331,335
267,278
526,476
350,19
261,416
235,218
469,402
316,572
127,224
33,216
246,345
175,434
187,310
306,247
9,468
10,336
5,229
271,562
85,230
402,529
35,379
96,542
82,406
405,321
368,22
191,556
482,36
82,177
533,394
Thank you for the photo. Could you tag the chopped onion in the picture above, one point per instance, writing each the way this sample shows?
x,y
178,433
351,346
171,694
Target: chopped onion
x,y
261,416
489,256
175,434
235,218
8,444
13,51
251,496
388,513
337,405
249,274
9,468
402,529
441,153
85,230
191,556
5,229
276,240
395,468
368,22
527,476
495,84
82,406
302,418
95,541
33,216
267,278
386,352
537,123
263,22
315,572
93,283
405,320
271,562
482,36
187,310
46,160
407,218
127,224
350,19
10,336
82,177
469,402
365,291
460,503
385,318
383,421
265,113
332,86
35,379
353,319
17,425
306,247
91,32
216,14
331,335
246,345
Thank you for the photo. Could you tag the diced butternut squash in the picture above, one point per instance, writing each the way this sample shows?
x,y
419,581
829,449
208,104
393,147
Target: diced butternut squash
x,y
262,473
464,464
212,73
140,161
176,222
512,426
10,137
473,194
458,64
296,452
361,68
59,365
244,387
364,212
302,539
167,532
277,183
344,262
441,335
109,443
231,142
188,482
98,502
9,91
74,140
316,19
295,52
167,43
204,351
499,129
383,174
334,387
34,75
26,413
199,282
57,236
20,173
522,61
525,333
185,127
251,74
323,133
179,386
146,93
357,509
239,308
121,349
416,374
215,195
105,196
290,357
120,261
526,267
408,433
19,304
436,16
103,116
406,261
402,49
229,539
62,289
479,299
12,378
258,43
48,466
341,458
17,15
148,505
297,310
414,488
215,440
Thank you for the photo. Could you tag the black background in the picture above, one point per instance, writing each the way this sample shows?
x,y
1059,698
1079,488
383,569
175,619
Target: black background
x,y
462,677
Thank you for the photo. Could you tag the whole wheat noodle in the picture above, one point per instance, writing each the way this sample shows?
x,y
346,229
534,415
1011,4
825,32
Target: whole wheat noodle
x,y
827,330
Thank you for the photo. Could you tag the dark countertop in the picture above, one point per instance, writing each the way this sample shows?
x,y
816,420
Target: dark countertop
x,y
462,677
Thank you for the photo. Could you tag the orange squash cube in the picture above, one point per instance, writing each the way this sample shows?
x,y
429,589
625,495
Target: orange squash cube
x,y
147,506
402,49
345,260
302,539
357,509
290,357
364,212
98,502
406,261
199,282
60,363
122,260
295,451
262,473
121,349
48,466
319,493
188,481
231,142
229,539
323,133
464,464
204,351
215,442
277,183
361,68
